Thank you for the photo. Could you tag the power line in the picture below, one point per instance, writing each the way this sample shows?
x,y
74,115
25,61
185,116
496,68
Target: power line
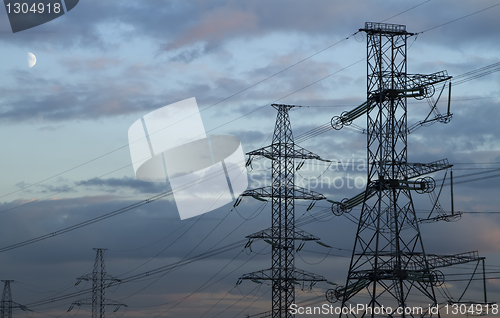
x,y
64,190
192,250
168,246
458,19
220,101
167,268
149,273
201,288
88,222
103,217
418,5
475,74
66,171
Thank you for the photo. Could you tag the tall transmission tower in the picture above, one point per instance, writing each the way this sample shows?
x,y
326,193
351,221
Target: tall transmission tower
x,y
282,234
388,262
100,281
7,304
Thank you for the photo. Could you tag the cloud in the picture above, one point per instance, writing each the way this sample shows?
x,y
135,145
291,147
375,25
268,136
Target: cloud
x,y
41,99
116,184
188,55
215,25
78,64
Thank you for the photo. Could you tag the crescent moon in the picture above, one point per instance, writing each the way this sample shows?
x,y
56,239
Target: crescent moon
x,y
31,59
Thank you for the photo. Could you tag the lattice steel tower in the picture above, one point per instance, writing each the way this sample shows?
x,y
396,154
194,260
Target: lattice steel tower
x,y
6,300
7,304
283,234
388,261
100,281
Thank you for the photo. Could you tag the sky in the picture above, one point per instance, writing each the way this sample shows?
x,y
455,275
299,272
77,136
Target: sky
x,y
105,64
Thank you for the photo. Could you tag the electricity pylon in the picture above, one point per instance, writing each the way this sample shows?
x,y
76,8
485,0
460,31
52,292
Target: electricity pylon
x,y
100,281
7,304
393,262
283,234
388,263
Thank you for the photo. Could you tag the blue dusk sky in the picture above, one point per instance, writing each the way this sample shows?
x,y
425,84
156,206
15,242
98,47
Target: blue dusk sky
x,y
65,157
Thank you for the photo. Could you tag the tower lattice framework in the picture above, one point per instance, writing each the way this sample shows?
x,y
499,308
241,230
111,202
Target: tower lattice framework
x,y
282,235
389,265
7,304
6,300
388,259
100,281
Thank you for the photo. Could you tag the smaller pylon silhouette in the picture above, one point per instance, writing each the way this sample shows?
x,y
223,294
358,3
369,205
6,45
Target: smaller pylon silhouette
x,y
7,303
282,234
100,281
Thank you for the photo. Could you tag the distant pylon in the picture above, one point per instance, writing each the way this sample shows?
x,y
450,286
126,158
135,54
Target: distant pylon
x,y
7,303
6,300
283,234
100,281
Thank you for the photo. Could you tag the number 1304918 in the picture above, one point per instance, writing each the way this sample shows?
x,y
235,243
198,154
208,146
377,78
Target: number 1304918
x,y
471,309
33,8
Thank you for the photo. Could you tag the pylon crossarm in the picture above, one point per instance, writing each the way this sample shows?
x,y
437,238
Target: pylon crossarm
x,y
115,303
84,278
305,194
274,151
86,301
297,193
437,261
418,262
444,217
284,106
421,80
264,192
259,275
302,153
302,275
414,170
296,276
418,169
298,235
